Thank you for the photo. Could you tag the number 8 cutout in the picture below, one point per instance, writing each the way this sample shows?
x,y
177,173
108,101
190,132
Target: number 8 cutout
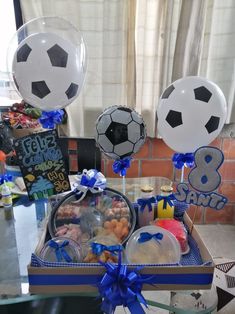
x,y
204,177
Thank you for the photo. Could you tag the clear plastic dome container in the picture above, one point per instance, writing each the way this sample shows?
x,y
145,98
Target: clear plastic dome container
x,y
164,251
71,248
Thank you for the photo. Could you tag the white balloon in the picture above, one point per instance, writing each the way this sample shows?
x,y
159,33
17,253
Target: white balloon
x,y
191,113
48,71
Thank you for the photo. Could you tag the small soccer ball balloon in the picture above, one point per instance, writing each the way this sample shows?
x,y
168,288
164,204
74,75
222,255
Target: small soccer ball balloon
x,y
46,71
120,132
191,113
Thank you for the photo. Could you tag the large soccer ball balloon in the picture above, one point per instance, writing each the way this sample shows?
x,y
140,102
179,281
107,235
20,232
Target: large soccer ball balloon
x,y
48,68
191,113
120,132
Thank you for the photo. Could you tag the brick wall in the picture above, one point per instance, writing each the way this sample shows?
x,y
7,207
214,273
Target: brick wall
x,y
154,159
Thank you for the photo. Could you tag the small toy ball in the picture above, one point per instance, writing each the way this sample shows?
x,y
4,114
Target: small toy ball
x,y
191,113
120,132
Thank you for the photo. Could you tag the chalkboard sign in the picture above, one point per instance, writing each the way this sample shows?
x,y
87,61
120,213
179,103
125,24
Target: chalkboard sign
x,y
42,165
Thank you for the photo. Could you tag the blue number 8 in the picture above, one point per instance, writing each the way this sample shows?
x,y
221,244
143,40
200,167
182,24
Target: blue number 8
x,y
205,177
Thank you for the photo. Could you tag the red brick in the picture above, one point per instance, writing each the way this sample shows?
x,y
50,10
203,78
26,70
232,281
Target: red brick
x,y
178,174
228,148
160,149
227,170
72,145
103,168
225,215
161,168
132,172
228,190
144,152
216,143
73,164
196,213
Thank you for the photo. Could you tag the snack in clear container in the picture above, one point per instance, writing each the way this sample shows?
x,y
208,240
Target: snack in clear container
x,y
62,250
177,228
152,245
95,249
83,217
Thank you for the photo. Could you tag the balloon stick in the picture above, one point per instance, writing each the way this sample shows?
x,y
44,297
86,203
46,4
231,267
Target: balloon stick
x,y
182,174
124,185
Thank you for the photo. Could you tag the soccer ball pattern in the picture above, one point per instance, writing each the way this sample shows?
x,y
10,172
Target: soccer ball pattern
x,y
48,71
191,113
120,132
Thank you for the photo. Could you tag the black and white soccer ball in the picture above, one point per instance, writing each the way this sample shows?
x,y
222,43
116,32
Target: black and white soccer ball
x,y
48,71
120,132
191,113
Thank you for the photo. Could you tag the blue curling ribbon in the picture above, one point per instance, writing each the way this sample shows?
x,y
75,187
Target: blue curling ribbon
x,y
143,202
146,236
98,248
121,165
49,119
60,251
120,286
180,160
5,178
166,200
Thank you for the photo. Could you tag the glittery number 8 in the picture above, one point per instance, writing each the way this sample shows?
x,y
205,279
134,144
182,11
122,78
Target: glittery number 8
x,y
205,177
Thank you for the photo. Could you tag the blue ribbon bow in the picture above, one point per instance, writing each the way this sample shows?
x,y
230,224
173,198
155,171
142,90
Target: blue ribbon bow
x,y
120,286
5,178
146,236
180,160
91,180
121,165
60,251
143,202
166,200
49,119
98,248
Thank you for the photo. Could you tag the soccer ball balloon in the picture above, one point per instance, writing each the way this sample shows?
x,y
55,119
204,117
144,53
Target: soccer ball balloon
x,y
47,71
120,132
191,113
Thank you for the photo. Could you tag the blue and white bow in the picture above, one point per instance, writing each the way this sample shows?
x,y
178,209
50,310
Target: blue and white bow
x,y
90,180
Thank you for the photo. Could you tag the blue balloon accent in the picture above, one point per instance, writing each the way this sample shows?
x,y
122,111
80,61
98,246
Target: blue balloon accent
x,y
121,165
181,160
49,119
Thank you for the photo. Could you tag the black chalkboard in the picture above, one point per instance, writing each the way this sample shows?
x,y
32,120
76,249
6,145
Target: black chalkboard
x,y
42,165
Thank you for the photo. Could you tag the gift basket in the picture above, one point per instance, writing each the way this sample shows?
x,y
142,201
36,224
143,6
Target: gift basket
x,y
93,232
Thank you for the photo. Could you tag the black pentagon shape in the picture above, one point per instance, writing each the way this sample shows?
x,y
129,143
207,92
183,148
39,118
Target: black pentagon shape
x,y
40,89
117,133
168,91
202,93
72,90
23,53
174,118
212,124
142,130
58,56
125,109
